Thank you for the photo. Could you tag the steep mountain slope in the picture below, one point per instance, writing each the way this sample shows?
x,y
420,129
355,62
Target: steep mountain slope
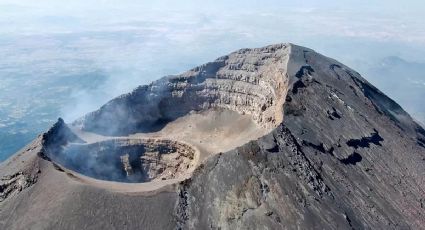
x,y
278,137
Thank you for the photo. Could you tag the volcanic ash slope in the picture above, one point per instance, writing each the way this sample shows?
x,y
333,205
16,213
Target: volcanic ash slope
x,y
278,137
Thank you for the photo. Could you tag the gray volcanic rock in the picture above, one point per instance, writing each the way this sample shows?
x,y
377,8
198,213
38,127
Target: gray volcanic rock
x,y
337,154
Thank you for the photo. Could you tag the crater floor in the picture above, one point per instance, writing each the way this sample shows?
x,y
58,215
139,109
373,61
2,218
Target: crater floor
x,y
206,132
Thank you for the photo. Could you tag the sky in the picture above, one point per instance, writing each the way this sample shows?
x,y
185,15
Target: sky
x,y
67,58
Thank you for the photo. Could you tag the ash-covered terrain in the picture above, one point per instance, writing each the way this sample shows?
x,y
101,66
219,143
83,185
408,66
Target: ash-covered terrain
x,y
278,137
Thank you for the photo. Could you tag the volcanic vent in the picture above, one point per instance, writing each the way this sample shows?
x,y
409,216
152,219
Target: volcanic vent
x,y
129,160
164,130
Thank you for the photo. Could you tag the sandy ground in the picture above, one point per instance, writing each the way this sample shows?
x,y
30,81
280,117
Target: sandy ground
x,y
208,132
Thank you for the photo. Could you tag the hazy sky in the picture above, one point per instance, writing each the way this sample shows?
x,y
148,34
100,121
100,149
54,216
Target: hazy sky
x,y
90,51
134,42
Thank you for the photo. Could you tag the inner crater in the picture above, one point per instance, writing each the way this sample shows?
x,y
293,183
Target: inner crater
x,y
129,160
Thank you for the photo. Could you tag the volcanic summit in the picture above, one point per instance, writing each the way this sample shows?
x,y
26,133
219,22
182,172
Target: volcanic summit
x,y
278,137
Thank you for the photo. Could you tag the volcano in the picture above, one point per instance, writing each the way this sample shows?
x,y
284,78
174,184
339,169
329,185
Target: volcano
x,y
279,137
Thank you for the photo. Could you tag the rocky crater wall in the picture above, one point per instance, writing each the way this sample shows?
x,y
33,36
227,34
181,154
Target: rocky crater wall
x,y
249,81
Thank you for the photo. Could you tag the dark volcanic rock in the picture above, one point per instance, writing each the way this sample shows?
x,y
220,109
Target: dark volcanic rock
x,y
344,156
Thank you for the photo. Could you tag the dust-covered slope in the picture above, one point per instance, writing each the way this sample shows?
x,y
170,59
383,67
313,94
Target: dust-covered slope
x,y
337,154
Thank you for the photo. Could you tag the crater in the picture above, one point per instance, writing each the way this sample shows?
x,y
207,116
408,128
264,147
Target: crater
x,y
129,160
162,131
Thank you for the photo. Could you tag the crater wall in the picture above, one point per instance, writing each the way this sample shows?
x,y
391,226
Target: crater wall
x,y
249,81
